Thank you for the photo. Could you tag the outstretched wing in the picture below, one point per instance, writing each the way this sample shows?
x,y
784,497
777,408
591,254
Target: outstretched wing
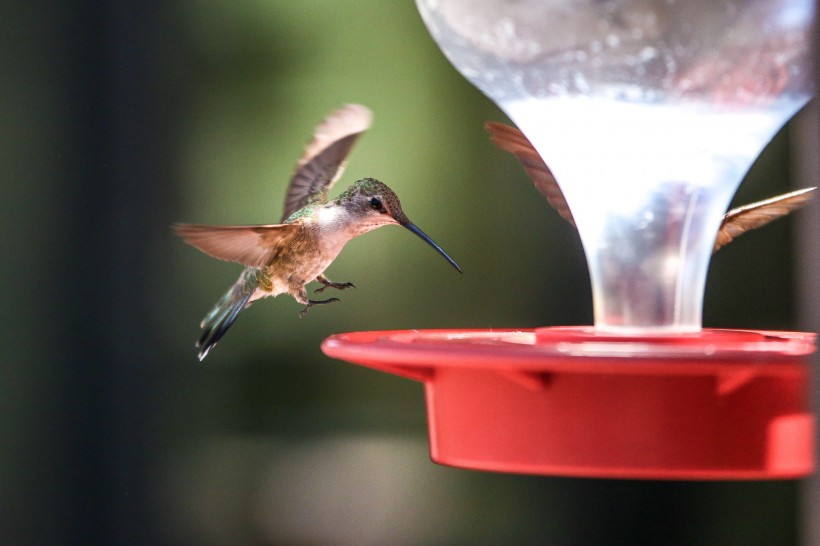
x,y
254,246
738,221
512,140
324,159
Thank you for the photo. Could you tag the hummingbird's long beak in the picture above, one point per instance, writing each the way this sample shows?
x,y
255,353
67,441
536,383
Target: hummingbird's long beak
x,y
415,229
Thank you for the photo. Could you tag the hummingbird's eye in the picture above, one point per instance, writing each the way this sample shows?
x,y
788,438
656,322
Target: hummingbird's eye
x,y
375,203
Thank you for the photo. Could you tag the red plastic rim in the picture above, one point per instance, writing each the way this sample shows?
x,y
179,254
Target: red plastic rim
x,y
720,404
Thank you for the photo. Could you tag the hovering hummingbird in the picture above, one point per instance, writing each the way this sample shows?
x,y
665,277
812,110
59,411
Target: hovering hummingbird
x,y
735,223
283,258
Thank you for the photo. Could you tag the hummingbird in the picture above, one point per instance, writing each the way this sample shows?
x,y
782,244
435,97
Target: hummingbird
x,y
735,223
284,258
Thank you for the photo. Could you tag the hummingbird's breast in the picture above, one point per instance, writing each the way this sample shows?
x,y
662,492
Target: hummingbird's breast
x,y
303,258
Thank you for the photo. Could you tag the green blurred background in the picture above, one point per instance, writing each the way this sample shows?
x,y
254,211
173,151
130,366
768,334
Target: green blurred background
x,y
121,118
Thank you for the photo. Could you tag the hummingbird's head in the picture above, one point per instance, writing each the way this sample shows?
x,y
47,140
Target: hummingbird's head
x,y
373,205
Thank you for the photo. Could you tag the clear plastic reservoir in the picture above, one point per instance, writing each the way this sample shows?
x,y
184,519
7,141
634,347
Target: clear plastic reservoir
x,y
649,113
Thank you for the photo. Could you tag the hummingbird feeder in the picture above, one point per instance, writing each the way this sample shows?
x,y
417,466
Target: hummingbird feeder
x,y
649,113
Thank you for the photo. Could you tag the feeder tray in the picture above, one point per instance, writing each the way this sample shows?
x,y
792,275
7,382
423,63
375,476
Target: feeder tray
x,y
719,404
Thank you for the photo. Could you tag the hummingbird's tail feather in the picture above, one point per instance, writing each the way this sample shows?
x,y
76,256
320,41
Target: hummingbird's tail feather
x,y
224,313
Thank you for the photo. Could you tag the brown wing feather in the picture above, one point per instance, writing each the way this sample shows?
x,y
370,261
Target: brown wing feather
x,y
512,140
738,221
254,246
324,158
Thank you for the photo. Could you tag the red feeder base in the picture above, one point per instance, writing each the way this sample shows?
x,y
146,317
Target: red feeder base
x,y
720,404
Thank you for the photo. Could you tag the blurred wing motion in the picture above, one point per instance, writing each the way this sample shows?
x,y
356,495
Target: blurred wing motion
x,y
254,246
738,221
735,223
512,140
324,159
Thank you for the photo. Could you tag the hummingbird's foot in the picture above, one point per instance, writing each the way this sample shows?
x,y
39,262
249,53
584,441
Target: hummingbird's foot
x,y
328,283
311,303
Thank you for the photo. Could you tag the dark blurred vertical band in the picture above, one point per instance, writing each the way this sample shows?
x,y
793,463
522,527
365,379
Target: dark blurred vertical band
x,y
86,190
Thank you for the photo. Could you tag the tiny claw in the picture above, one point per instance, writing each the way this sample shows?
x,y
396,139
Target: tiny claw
x,y
311,303
336,285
